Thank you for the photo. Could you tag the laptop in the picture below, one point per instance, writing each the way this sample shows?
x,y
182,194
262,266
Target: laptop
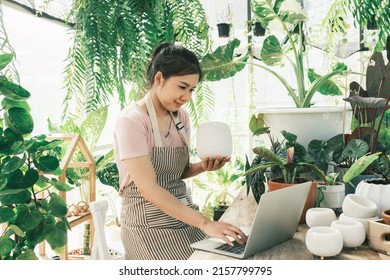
x,y
276,221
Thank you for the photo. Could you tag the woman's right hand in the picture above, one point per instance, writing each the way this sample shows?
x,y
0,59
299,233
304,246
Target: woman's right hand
x,y
222,230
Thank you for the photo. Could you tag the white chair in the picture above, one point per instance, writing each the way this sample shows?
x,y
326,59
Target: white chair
x,y
100,249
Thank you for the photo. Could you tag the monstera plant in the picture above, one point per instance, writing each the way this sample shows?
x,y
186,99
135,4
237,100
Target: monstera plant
x,y
31,210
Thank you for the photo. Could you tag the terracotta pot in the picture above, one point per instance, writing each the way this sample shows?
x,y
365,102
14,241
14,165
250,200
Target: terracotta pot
x,y
277,183
386,216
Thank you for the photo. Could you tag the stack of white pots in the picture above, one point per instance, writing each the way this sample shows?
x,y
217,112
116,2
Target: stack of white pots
x,y
327,236
360,209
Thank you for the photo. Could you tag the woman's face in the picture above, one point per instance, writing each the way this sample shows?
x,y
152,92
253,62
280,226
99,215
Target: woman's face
x,y
175,91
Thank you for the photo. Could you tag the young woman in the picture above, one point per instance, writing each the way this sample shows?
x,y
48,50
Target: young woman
x,y
158,220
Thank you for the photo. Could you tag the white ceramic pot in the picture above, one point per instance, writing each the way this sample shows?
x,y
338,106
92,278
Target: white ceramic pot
x,y
353,232
333,196
320,123
324,241
214,139
379,194
319,217
364,221
358,206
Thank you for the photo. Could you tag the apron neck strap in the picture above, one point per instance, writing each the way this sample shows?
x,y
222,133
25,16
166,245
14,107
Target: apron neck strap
x,y
156,131
153,119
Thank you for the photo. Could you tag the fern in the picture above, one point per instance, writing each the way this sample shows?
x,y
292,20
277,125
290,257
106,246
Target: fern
x,y
201,104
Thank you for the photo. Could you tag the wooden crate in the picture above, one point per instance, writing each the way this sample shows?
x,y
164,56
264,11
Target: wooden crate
x,y
379,236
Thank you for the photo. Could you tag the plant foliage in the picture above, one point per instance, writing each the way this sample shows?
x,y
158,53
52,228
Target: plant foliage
x,y
30,206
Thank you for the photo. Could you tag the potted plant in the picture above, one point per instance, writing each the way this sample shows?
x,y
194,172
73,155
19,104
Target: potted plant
x,y
221,186
370,108
224,19
331,192
291,50
31,210
279,166
336,155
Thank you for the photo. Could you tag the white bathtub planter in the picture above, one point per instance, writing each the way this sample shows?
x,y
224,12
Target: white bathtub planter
x,y
311,123
378,193
324,241
213,139
319,217
352,231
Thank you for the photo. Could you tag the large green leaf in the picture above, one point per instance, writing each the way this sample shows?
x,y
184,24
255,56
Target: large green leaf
x,y
271,52
6,245
22,196
221,64
109,175
57,205
13,164
268,10
6,214
7,103
13,91
27,220
19,120
264,10
5,59
47,163
359,166
328,87
257,125
55,234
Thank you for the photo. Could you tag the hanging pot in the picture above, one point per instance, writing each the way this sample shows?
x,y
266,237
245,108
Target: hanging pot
x,y
259,30
223,30
277,183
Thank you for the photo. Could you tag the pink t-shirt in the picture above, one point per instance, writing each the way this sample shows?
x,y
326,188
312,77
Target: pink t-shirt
x,y
133,137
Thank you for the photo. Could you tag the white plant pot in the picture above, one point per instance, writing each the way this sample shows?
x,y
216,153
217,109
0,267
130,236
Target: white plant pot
x,y
363,221
319,217
324,241
353,232
379,194
333,196
359,207
214,139
319,123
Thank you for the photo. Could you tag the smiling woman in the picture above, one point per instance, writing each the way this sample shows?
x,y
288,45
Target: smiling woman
x,y
158,218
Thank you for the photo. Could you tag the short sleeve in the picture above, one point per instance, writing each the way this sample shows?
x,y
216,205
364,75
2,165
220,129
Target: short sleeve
x,y
131,138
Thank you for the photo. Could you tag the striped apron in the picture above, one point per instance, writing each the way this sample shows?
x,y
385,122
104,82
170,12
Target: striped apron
x,y
148,233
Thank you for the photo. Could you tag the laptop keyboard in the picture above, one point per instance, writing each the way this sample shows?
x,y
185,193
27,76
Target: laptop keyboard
x,y
236,249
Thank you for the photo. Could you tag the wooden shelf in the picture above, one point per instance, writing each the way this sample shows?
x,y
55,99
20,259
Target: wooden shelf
x,y
76,142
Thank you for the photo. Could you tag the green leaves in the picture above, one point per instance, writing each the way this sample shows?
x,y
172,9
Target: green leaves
x,y
257,125
19,120
221,64
13,91
359,166
271,53
5,59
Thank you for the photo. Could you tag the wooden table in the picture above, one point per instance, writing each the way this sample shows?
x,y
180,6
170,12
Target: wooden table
x,y
241,213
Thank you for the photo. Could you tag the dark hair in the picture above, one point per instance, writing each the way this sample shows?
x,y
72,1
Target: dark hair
x,y
172,60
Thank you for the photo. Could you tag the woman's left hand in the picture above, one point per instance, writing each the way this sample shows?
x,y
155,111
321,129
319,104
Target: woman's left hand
x,y
211,164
